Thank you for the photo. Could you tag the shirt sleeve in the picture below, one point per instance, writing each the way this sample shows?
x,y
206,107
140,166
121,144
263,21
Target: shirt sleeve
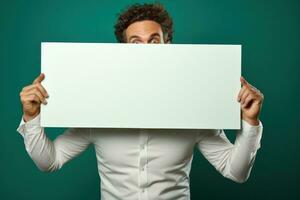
x,y
233,161
52,155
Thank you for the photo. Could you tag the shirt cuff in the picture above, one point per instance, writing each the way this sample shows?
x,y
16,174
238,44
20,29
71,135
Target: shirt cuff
x,y
29,126
252,134
250,130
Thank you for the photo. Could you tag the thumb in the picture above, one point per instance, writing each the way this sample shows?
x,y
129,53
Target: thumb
x,y
243,81
40,78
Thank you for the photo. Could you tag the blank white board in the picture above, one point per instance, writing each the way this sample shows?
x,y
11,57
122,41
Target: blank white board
x,y
165,86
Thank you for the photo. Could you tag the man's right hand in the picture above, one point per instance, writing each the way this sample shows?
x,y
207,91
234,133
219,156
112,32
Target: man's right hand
x,y
31,98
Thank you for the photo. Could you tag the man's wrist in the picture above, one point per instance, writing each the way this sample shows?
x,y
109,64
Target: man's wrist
x,y
253,122
27,118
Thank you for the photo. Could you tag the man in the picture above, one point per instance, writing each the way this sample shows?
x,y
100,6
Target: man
x,y
140,163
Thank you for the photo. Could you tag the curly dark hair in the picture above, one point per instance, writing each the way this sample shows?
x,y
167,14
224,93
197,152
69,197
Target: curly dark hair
x,y
139,12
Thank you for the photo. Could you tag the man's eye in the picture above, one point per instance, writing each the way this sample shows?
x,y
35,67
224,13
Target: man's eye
x,y
135,42
154,41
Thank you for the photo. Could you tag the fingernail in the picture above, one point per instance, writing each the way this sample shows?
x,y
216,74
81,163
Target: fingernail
x,y
45,102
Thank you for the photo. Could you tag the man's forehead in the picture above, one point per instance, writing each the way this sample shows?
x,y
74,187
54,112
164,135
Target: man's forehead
x,y
143,28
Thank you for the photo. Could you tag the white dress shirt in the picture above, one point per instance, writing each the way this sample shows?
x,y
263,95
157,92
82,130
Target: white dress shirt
x,y
145,164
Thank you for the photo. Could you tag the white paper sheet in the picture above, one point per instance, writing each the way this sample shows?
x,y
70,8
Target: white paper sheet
x,y
174,86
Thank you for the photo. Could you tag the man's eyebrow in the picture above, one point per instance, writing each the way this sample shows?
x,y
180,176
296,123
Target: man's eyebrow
x,y
151,36
154,35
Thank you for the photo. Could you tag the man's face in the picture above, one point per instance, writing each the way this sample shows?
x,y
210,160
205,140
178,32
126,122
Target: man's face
x,y
144,32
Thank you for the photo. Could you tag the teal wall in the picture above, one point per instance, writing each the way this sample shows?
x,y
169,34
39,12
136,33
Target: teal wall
x,y
269,32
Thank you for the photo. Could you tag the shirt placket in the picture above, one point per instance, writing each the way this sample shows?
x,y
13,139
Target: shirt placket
x,y
143,160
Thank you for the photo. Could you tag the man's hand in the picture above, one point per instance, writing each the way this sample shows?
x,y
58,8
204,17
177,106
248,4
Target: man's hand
x,y
251,100
31,98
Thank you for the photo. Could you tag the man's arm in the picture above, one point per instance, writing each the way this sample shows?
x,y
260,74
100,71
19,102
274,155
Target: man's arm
x,y
233,161
236,161
48,155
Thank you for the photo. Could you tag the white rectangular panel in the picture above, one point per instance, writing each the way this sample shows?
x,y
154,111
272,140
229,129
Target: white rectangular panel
x,y
176,86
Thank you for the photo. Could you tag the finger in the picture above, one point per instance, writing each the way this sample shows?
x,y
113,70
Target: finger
x,y
32,98
39,79
257,91
42,90
37,93
243,81
246,83
258,99
27,88
38,87
244,96
242,90
248,99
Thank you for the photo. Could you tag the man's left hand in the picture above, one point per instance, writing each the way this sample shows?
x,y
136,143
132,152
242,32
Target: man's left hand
x,y
251,100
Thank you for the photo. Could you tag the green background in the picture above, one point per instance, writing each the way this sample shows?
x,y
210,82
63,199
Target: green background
x,y
269,32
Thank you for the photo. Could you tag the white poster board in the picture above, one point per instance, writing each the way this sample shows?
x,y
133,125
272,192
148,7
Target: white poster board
x,y
173,86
